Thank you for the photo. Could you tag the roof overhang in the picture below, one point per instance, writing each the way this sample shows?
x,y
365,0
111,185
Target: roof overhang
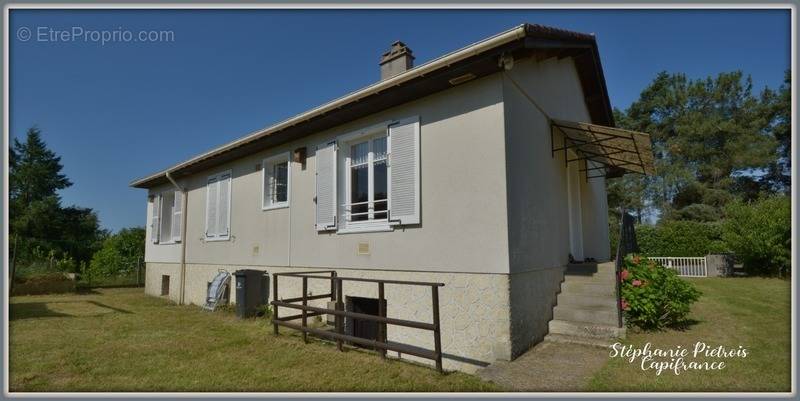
x,y
479,59
615,150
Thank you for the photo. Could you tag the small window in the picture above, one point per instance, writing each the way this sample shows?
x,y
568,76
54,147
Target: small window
x,y
164,285
276,185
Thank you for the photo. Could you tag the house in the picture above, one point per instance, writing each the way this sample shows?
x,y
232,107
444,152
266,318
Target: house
x,y
483,169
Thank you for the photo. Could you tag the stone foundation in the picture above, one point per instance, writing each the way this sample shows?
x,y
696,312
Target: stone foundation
x,y
479,322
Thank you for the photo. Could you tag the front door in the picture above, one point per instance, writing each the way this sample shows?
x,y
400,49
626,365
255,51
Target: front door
x,y
574,204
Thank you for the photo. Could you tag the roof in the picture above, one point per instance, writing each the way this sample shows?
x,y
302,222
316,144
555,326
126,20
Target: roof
x,y
479,59
613,148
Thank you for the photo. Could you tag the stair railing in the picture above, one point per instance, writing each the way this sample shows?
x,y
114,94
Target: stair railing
x,y
627,244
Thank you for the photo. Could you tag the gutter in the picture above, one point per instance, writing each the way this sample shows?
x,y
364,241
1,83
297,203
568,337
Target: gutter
x,y
184,202
431,66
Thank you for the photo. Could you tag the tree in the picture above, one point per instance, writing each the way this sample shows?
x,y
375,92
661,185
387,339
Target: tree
x,y
760,233
120,253
38,223
710,136
36,170
779,172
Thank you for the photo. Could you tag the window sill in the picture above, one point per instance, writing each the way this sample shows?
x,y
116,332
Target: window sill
x,y
273,207
377,228
212,239
168,243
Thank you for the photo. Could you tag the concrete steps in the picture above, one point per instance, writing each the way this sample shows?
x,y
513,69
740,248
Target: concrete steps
x,y
603,314
578,300
566,339
589,289
586,307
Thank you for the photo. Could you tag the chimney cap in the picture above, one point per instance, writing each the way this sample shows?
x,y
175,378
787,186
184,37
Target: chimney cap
x,y
397,49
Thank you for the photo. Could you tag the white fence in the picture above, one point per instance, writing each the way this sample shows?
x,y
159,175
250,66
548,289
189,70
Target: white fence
x,y
685,266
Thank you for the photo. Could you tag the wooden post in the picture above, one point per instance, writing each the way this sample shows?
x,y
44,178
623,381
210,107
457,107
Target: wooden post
x,y
339,318
304,313
381,313
437,330
274,307
333,286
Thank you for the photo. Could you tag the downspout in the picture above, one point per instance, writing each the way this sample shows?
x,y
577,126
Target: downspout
x,y
184,212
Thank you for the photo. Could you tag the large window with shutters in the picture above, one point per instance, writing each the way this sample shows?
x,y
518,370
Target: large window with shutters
x,y
368,180
366,185
165,223
218,207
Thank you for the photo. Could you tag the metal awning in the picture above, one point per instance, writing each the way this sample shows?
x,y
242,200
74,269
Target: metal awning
x,y
616,150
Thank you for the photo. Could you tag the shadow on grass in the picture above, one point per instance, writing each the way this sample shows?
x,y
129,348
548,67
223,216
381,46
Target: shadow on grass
x,y
32,310
684,325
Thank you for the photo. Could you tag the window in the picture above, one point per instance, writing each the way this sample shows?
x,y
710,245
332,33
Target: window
x,y
369,180
165,226
218,210
367,187
276,185
164,285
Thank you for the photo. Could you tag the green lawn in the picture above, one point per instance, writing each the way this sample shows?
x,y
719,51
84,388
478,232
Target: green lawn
x,y
122,340
752,312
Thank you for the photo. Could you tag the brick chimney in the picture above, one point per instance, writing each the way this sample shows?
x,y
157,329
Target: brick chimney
x,y
396,60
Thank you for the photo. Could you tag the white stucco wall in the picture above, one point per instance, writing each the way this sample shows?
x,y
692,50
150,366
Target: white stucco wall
x,y
536,180
462,196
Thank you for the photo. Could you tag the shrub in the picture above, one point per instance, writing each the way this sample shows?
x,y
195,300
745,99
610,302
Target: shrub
x,y
120,255
680,238
654,297
759,233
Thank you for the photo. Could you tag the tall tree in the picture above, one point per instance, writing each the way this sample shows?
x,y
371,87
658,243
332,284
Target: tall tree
x,y
779,107
37,219
706,134
36,170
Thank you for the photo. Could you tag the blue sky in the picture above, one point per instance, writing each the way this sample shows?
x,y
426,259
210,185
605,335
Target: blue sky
x,y
119,111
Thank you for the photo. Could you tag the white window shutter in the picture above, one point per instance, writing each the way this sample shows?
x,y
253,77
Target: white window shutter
x,y
404,189
176,216
154,221
326,186
224,208
211,207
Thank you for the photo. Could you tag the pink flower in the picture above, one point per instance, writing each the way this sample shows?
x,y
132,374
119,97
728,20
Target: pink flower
x,y
624,304
623,275
636,283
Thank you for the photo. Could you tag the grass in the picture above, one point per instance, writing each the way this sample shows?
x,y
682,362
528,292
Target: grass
x,y
752,312
121,340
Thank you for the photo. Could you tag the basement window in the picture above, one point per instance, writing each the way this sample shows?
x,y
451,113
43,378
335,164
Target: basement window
x,y
358,327
164,285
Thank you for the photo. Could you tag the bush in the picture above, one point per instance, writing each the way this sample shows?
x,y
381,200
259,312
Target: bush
x,y
760,233
680,238
654,297
120,255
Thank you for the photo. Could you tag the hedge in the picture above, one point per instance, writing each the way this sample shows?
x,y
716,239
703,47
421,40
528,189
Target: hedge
x,y
680,238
